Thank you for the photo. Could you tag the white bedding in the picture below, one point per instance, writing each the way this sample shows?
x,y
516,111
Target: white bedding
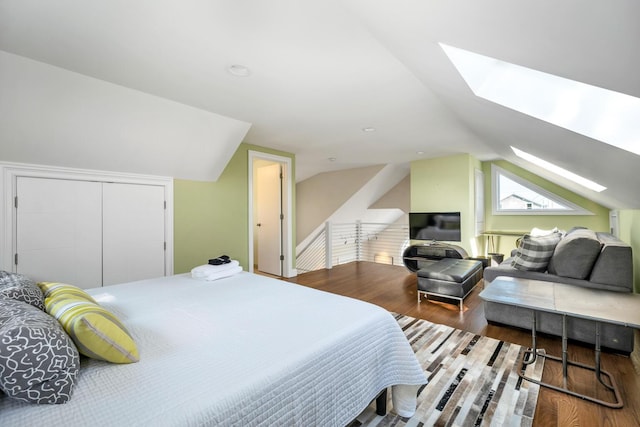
x,y
244,350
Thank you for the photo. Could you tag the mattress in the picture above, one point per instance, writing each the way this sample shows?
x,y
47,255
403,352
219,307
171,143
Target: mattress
x,y
244,350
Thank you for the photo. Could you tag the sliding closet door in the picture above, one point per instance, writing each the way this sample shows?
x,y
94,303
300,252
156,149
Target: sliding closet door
x,y
133,232
59,230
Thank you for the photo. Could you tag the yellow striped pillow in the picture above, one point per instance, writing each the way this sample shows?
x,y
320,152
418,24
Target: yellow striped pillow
x,y
52,289
96,332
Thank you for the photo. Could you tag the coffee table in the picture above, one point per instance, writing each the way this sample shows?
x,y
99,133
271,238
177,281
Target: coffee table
x,y
568,301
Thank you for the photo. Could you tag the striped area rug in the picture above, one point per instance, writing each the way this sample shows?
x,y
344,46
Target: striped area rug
x,y
473,381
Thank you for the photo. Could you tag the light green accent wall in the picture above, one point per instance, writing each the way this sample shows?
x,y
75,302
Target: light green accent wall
x,y
211,218
446,184
630,232
599,221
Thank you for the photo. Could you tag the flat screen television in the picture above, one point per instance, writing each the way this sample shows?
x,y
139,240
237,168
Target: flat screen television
x,y
443,226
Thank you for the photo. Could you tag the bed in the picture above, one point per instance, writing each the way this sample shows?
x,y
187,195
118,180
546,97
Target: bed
x,y
244,350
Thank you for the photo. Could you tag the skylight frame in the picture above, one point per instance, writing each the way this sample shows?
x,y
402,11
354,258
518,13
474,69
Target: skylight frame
x,y
601,114
496,171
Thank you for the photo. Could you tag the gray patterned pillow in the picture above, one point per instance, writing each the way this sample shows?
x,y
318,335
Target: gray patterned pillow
x,y
534,253
20,287
38,361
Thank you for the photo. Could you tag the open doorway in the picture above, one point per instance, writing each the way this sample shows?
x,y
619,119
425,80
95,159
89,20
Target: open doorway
x,y
268,217
270,214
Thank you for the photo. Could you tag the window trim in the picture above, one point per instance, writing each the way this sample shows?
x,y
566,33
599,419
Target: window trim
x,y
496,171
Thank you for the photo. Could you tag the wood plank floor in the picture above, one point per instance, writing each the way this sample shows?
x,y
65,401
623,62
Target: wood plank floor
x,y
394,288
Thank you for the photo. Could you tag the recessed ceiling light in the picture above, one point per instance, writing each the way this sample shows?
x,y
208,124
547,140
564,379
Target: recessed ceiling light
x,y
420,152
239,70
559,171
368,129
332,159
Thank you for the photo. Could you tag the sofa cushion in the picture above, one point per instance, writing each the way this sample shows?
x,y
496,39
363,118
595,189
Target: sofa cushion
x,y
614,266
534,252
575,255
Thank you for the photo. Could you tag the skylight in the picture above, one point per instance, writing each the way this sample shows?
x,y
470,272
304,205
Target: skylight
x,y
602,114
559,171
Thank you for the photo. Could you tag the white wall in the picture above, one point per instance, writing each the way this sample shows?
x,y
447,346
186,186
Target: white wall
x,y
357,206
318,197
56,117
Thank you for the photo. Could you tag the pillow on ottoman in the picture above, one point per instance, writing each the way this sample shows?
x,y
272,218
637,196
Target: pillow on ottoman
x,y
21,288
575,254
38,361
534,252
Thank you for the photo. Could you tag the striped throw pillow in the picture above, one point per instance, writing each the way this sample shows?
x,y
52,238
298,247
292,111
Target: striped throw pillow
x,y
96,332
534,253
52,289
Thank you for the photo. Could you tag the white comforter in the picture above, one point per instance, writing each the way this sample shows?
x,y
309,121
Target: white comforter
x,y
245,350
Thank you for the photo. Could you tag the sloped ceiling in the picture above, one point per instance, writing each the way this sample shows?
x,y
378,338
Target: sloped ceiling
x,y
595,43
321,71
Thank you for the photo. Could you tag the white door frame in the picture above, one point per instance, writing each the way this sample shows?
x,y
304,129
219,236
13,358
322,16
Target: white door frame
x,y
287,249
9,172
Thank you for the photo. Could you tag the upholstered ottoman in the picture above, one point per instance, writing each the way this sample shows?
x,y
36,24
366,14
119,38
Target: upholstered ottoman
x,y
449,278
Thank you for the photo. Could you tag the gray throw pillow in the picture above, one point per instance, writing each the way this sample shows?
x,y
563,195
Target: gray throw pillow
x,y
38,361
21,288
534,252
575,254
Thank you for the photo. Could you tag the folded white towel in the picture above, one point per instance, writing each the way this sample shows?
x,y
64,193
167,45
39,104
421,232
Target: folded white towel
x,y
222,274
214,272
204,270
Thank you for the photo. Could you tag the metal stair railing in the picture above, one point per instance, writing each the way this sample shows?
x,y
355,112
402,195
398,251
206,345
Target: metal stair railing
x,y
341,243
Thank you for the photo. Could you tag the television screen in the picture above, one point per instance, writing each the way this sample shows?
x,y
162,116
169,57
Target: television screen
x,y
435,226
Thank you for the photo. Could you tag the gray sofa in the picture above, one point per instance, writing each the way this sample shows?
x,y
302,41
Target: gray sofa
x,y
582,258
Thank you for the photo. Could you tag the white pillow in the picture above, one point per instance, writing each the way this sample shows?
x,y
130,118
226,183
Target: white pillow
x,y
537,232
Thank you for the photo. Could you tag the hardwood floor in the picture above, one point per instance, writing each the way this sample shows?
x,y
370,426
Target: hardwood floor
x,y
394,288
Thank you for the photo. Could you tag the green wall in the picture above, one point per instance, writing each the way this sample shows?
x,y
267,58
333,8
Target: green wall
x,y
211,218
630,233
446,184
599,221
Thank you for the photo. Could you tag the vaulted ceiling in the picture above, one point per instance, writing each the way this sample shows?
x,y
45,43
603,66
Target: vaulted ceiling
x,y
322,71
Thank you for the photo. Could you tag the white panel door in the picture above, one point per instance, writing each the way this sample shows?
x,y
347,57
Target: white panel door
x,y
59,230
133,232
269,209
